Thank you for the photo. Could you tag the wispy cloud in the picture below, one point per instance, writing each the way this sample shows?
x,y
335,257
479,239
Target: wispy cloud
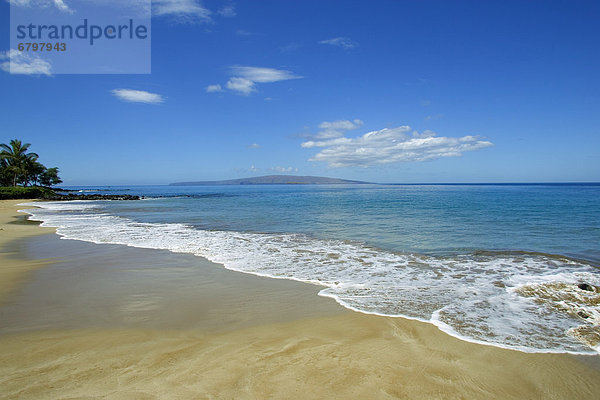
x,y
138,96
336,129
18,62
59,4
434,117
244,78
263,75
242,32
290,47
343,42
391,145
227,11
138,8
283,169
182,10
214,88
254,146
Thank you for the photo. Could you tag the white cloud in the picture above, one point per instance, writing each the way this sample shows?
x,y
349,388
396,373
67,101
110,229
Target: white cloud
x,y
434,117
18,62
138,96
254,146
214,88
59,4
283,169
253,169
336,128
183,10
391,145
324,143
244,78
242,85
343,42
263,75
227,11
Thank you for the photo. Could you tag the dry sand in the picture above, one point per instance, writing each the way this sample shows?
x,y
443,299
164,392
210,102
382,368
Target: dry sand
x,y
343,355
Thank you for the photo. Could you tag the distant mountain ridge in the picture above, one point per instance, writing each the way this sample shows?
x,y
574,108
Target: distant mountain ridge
x,y
275,180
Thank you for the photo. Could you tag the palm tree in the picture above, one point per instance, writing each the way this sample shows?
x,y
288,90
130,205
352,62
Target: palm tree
x,y
50,177
17,161
33,171
5,175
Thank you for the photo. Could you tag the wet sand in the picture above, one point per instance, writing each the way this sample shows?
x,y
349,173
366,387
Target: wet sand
x,y
15,269
111,286
80,320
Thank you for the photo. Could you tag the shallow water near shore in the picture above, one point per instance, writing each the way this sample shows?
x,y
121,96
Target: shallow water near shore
x,y
496,265
90,286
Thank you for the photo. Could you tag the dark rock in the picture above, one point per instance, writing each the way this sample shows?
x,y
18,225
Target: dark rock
x,y
73,196
585,286
582,314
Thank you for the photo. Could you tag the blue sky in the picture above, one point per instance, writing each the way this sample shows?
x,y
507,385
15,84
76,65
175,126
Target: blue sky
x,y
383,91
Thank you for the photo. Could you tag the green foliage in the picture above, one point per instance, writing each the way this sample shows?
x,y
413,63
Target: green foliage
x,y
20,167
5,175
50,177
31,192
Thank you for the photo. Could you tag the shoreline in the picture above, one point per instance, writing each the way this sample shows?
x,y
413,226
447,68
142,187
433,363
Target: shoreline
x,y
341,355
13,226
311,260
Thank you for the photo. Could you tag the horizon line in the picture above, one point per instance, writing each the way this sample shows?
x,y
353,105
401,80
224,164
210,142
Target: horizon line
x,y
508,183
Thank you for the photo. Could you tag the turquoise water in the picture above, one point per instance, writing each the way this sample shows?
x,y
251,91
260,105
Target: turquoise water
x,y
496,264
427,219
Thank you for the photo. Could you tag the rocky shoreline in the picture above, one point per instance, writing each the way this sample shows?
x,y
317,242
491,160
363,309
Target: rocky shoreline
x,y
50,194
73,196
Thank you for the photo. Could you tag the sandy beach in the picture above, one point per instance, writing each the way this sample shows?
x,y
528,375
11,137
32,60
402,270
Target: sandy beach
x,y
79,320
15,269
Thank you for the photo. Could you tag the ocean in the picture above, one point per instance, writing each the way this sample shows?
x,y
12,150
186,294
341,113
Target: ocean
x,y
494,264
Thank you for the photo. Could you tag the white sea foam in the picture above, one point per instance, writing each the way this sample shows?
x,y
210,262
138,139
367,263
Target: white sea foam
x,y
519,301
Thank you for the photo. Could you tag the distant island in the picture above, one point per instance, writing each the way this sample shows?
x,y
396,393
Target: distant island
x,y
275,180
